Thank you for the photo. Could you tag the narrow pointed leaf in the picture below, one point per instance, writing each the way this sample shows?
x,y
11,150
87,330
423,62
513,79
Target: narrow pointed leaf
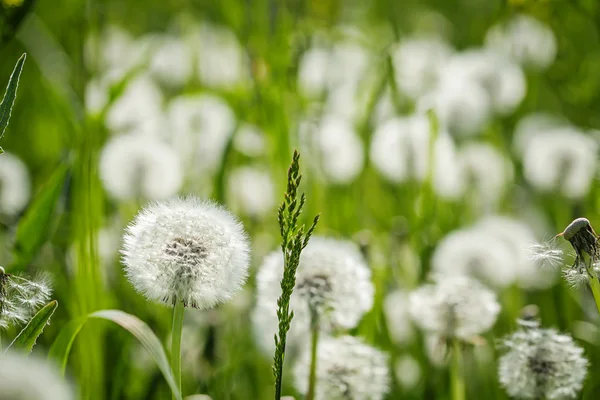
x,y
28,336
60,349
10,95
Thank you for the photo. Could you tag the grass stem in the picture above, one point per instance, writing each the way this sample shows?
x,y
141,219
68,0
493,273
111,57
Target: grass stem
x,y
312,377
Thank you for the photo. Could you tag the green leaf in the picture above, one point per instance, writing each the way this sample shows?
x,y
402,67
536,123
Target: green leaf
x,y
32,229
138,328
28,336
10,95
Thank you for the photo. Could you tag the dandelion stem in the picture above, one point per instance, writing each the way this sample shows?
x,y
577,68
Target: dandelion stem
x,y
312,378
595,286
456,372
178,310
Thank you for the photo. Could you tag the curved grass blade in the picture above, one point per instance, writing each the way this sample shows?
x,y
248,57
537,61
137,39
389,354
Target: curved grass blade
x,y
10,95
138,328
28,336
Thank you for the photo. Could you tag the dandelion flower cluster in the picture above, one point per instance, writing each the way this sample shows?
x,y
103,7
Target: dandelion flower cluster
x,y
347,368
541,363
455,306
20,298
26,378
186,250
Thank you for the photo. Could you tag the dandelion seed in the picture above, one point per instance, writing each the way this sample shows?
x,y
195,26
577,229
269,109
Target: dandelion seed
x,y
455,306
541,363
135,166
186,250
546,254
29,377
347,368
15,186
20,298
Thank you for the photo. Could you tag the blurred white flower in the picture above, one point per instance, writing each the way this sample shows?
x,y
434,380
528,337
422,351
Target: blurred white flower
x,y
15,187
525,40
26,377
201,126
531,125
397,316
541,363
487,171
221,61
332,272
20,298
455,306
96,96
113,52
408,372
186,250
385,108
463,107
561,160
338,149
503,81
140,102
312,72
250,140
171,61
251,191
137,166
417,63
347,368
400,151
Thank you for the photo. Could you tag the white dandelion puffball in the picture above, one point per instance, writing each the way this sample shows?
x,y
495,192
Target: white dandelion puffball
x,y
562,160
347,368
476,253
136,166
171,61
15,187
525,40
542,363
251,191
332,277
30,377
397,316
418,62
187,250
340,150
201,126
454,306
140,102
400,151
221,61
487,171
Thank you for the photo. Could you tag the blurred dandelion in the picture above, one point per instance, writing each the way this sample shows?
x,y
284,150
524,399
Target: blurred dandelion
x,y
541,363
397,313
408,371
29,377
135,166
15,187
251,191
347,368
20,298
171,61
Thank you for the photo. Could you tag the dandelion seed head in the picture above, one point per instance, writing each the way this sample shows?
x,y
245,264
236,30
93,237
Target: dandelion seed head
x,y
15,186
29,377
20,298
186,250
134,166
576,276
347,368
455,306
251,191
171,61
541,363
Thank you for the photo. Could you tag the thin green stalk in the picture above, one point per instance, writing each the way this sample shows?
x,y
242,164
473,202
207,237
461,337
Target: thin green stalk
x,y
312,377
178,310
457,380
595,286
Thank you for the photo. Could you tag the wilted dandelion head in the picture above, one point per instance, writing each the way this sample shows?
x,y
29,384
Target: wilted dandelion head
x,y
15,187
454,306
584,240
135,166
541,363
20,298
27,378
347,368
186,250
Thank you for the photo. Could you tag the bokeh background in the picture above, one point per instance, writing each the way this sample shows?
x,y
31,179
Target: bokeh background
x,y
415,120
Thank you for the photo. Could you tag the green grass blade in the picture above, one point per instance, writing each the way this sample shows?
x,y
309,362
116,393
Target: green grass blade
x,y
138,328
32,229
28,336
60,349
10,95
